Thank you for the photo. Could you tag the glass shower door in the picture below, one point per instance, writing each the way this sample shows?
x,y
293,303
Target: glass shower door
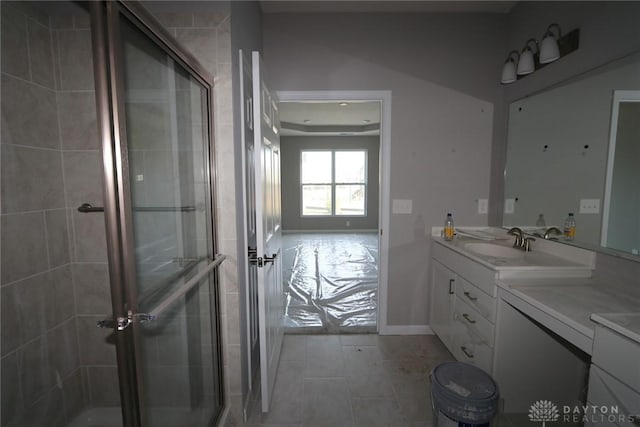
x,y
168,346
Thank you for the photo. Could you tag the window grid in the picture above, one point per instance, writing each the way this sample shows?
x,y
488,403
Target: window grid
x,y
333,185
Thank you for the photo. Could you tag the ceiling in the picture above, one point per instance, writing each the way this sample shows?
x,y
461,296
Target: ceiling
x,y
329,118
382,6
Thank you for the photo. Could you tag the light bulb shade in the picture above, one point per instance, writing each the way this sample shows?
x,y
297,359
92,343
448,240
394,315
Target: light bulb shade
x,y
509,72
549,50
526,65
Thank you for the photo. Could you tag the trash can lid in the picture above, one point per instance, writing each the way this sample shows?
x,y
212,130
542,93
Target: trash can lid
x,y
461,380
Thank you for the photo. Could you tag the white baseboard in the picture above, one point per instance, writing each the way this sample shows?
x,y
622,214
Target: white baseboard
x,y
406,330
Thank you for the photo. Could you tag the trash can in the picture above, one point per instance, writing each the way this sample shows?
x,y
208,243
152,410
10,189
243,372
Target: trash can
x,y
462,395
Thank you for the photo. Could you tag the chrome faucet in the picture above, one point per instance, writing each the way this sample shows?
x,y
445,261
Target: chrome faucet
x,y
521,241
548,234
515,231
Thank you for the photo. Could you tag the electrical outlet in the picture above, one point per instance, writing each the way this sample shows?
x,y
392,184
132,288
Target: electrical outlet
x,y
483,206
589,206
509,206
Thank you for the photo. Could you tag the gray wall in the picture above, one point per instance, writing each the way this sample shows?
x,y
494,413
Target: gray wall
x,y
608,30
291,146
443,71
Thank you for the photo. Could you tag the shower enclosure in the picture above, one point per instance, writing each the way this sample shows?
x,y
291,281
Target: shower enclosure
x,y
110,310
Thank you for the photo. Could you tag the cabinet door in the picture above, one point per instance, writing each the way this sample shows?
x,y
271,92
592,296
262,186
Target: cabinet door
x,y
442,298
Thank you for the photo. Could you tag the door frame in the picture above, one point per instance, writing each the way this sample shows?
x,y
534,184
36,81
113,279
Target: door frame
x,y
384,204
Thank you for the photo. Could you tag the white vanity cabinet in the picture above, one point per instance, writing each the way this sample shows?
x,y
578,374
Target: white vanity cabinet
x,y
614,378
463,306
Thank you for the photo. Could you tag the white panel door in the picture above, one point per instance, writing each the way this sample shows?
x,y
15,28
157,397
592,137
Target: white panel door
x,y
268,229
249,184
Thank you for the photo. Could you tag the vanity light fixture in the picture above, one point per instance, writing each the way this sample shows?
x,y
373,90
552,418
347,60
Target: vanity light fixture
x,y
527,63
534,56
509,69
343,104
549,49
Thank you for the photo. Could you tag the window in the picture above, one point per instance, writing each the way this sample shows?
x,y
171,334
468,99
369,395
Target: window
x,y
333,182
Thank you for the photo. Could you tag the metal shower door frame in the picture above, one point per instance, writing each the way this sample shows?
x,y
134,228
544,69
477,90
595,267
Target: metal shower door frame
x,y
105,17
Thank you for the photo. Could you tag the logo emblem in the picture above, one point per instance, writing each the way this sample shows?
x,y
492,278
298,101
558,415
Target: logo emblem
x,y
544,411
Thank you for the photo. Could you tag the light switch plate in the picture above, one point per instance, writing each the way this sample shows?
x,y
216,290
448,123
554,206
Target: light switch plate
x,y
509,206
402,206
589,206
483,206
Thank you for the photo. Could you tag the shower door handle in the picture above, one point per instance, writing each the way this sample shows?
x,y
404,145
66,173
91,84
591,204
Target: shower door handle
x,y
122,323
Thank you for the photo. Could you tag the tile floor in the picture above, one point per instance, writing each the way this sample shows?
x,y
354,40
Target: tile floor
x,y
353,380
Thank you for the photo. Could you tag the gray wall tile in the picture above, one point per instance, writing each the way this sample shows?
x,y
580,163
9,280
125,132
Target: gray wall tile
x,y
48,411
91,282
75,399
83,178
11,394
31,179
10,321
15,58
58,294
62,349
40,54
24,251
223,49
97,346
200,42
57,237
209,19
90,237
75,60
82,21
103,382
28,114
175,19
148,126
78,122
31,307
35,376
61,22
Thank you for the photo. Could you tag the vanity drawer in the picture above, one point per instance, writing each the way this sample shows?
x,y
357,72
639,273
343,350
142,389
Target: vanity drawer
x,y
472,295
606,391
617,355
467,348
481,276
473,322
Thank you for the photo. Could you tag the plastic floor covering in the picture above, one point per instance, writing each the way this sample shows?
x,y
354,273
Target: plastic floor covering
x,y
331,282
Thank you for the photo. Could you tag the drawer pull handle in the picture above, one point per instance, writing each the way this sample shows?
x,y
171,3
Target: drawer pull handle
x,y
466,352
468,318
471,297
451,292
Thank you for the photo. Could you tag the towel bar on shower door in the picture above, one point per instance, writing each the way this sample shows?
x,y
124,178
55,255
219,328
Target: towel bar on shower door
x,y
88,208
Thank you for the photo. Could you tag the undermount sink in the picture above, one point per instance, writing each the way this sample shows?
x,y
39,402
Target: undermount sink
x,y
493,250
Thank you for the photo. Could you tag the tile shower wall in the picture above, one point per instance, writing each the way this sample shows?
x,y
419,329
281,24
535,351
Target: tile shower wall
x,y
53,272
206,34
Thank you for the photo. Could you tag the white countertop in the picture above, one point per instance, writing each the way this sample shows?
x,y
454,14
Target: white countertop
x,y
626,324
544,256
567,307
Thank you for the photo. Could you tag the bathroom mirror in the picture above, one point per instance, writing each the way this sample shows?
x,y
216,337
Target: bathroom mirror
x,y
575,147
